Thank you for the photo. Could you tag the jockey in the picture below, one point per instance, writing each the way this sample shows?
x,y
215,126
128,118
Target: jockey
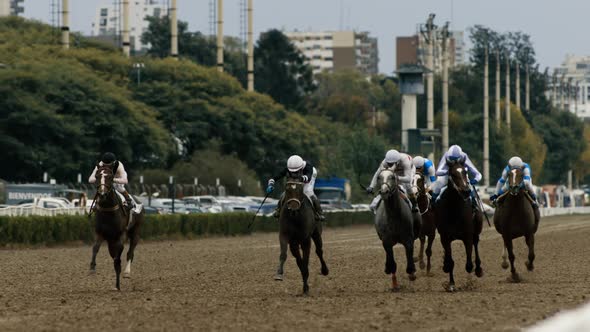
x,y
402,166
516,162
425,166
454,155
120,176
297,167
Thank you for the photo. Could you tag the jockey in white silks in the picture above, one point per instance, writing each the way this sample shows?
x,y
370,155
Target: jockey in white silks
x,y
120,176
454,155
403,167
298,168
517,163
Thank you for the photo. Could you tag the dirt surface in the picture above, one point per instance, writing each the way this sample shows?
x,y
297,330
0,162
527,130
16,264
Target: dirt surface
x,y
227,284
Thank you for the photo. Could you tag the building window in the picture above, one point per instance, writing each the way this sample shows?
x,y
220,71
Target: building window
x,y
328,37
316,57
104,12
103,22
157,12
317,47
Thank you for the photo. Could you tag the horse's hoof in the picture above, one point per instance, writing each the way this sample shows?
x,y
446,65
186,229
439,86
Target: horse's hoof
x,y
422,265
115,289
92,272
412,276
395,289
278,277
429,274
505,265
305,290
479,272
451,289
325,271
529,266
515,278
126,275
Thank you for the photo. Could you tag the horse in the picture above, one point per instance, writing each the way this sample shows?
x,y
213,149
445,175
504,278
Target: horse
x,y
457,219
514,217
112,224
297,227
394,224
428,226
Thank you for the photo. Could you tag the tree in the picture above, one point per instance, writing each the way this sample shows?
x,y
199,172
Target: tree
x,y
281,71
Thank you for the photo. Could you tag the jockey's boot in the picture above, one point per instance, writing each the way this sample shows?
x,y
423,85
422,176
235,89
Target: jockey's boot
x,y
130,202
414,203
319,214
535,210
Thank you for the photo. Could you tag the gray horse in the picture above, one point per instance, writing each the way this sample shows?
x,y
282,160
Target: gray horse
x,y
298,226
395,224
514,217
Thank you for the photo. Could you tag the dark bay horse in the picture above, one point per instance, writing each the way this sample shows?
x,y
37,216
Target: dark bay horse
x,y
112,224
298,226
428,229
456,219
514,217
394,224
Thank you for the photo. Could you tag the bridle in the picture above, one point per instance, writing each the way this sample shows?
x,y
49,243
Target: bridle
x,y
391,189
295,200
104,189
460,170
515,189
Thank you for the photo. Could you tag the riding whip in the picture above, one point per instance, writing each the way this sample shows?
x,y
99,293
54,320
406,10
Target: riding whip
x,y
261,204
481,205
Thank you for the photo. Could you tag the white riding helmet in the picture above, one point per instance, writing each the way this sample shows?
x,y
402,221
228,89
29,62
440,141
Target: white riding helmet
x,y
515,162
418,161
295,163
392,156
455,153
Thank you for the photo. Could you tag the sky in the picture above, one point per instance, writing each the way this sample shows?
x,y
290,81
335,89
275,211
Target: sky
x,y
556,27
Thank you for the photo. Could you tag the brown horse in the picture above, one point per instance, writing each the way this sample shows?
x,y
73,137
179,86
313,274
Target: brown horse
x,y
112,224
514,217
298,226
428,226
457,219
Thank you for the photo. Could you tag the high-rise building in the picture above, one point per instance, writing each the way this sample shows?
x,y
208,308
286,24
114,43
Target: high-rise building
x,y
11,7
572,85
109,20
334,50
412,50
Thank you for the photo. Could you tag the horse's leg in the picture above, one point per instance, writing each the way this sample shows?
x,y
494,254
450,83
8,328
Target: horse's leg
x,y
115,250
306,247
282,257
317,240
504,257
294,247
530,242
133,241
390,265
95,249
468,243
448,263
429,252
421,252
478,269
508,244
411,268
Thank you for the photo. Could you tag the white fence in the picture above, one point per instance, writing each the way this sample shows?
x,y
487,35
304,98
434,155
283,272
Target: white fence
x,y
546,212
16,211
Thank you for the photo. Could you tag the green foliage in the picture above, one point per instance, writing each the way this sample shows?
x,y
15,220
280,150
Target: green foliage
x,y
281,71
36,230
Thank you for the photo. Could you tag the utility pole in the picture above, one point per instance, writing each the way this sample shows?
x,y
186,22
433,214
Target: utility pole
x,y
486,128
429,37
220,36
445,89
173,31
527,91
576,89
569,94
250,47
507,103
562,93
498,112
65,29
125,32
554,90
517,85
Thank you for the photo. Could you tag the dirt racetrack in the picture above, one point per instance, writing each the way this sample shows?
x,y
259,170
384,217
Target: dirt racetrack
x,y
227,284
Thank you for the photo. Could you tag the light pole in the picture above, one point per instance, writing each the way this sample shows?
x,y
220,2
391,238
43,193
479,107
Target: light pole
x,y
138,66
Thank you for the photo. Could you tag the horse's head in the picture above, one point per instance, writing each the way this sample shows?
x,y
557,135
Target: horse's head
x,y
294,195
459,180
515,180
387,182
419,178
104,180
